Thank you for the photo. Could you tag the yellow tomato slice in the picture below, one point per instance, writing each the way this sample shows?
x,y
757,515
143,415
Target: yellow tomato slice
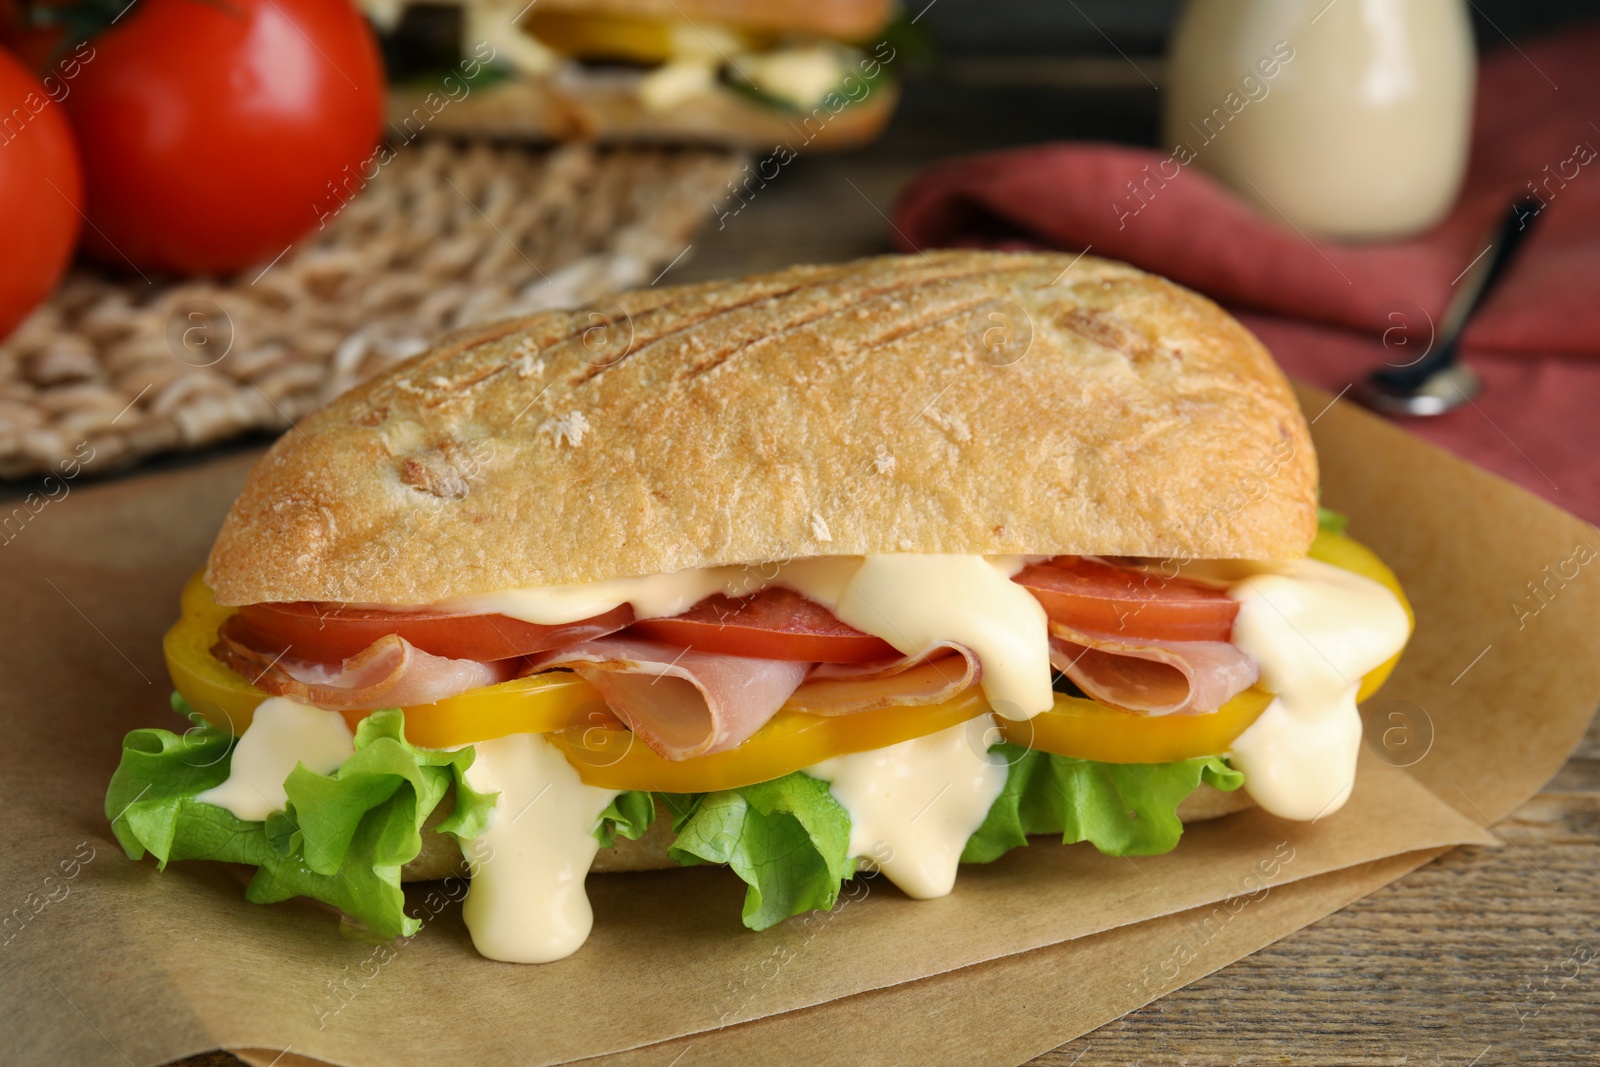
x,y
224,699
617,759
533,705
1087,729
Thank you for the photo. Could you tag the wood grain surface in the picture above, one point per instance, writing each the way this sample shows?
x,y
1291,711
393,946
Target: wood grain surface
x,y
1486,956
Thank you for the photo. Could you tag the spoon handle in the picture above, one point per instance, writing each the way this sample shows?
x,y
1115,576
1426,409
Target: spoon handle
x,y
1481,278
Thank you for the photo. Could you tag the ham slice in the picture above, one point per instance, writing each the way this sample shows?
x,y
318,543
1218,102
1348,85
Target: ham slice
x,y
680,702
1150,676
846,688
388,673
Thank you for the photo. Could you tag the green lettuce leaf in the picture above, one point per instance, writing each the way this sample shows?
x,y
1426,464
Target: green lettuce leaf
x,y
1330,521
151,804
342,838
1123,809
788,839
630,815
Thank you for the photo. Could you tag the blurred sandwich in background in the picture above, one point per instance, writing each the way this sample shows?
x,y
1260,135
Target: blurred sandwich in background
x,y
736,72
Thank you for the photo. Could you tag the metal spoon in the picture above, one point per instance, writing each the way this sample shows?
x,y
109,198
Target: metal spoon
x,y
1440,381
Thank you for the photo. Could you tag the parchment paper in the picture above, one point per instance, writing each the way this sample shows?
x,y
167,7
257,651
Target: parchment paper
x,y
127,965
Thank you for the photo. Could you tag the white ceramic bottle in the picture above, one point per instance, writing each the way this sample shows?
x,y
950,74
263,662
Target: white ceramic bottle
x,y
1350,118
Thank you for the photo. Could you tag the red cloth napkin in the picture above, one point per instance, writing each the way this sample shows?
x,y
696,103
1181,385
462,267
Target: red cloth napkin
x,y
1318,303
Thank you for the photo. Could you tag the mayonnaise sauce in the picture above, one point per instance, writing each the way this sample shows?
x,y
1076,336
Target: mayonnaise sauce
x,y
918,601
674,84
653,596
913,805
281,734
913,601
802,77
526,902
1314,629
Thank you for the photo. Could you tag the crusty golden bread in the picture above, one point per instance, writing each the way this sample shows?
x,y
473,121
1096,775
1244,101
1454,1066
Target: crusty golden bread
x,y
441,856
864,407
846,20
1207,802
607,108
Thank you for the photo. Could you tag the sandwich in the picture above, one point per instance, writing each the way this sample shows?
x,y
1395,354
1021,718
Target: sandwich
x,y
844,571
751,73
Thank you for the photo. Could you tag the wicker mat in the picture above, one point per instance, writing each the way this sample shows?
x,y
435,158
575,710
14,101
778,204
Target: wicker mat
x,y
119,368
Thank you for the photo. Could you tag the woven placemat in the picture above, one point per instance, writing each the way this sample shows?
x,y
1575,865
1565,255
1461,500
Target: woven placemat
x,y
120,367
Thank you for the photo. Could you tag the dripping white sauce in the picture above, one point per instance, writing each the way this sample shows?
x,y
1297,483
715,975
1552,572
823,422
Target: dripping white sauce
x,y
1314,629
916,602
281,734
913,805
526,902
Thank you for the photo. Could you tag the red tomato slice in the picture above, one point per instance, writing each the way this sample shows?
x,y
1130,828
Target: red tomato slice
x,y
775,623
329,633
1090,594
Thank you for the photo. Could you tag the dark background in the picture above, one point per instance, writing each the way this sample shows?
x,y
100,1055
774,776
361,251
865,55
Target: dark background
x,y
1140,27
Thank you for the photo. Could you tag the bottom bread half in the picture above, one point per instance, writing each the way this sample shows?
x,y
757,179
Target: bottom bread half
x,y
441,857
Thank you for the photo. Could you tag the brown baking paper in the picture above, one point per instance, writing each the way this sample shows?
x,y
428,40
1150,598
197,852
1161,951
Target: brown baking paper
x,y
1013,1008
127,965
992,1012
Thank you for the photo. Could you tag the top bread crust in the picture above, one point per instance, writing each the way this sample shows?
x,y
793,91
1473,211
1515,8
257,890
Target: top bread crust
x,y
958,402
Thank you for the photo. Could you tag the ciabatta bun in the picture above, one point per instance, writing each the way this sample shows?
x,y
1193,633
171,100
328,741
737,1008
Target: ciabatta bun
x,y
605,107
960,402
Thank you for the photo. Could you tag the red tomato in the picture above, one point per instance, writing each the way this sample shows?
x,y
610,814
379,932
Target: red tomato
x,y
775,623
214,134
32,44
329,633
41,189
1103,598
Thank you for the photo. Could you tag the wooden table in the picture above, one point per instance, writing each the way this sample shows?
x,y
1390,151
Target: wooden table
x,y
1487,956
